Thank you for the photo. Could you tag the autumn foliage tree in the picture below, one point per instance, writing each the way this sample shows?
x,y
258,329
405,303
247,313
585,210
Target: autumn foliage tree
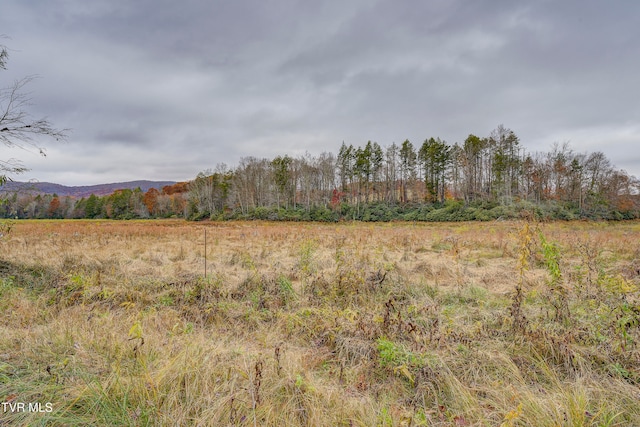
x,y
150,200
54,207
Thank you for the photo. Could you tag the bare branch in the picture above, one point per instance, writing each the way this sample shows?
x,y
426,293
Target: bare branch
x,y
11,166
3,58
3,55
17,128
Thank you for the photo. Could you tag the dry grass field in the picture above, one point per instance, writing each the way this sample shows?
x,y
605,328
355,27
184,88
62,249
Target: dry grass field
x,y
471,324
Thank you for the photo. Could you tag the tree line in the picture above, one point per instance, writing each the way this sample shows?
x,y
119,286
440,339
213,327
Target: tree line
x,y
170,201
479,179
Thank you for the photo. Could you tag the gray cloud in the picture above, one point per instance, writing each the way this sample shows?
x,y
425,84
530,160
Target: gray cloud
x,y
163,90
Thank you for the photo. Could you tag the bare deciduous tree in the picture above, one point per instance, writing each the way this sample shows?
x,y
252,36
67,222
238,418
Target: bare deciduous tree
x,y
17,128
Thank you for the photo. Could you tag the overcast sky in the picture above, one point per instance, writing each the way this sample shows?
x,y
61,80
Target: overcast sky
x,y
162,90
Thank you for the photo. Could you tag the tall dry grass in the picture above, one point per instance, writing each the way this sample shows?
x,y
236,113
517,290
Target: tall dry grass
x,y
114,323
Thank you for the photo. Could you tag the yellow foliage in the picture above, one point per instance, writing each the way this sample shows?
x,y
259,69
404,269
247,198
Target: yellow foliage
x,y
136,331
511,417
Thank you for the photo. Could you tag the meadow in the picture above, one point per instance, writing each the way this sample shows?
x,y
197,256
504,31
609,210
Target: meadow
x,y
351,324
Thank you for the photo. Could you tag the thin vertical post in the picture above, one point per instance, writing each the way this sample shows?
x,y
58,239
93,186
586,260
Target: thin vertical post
x,y
205,252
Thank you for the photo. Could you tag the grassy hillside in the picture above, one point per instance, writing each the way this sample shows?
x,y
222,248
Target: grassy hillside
x,y
466,324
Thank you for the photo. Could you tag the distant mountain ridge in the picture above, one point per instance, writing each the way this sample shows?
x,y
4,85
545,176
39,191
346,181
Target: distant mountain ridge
x,y
83,190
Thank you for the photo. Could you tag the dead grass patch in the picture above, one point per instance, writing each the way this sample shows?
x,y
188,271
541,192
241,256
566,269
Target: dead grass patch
x,y
114,323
